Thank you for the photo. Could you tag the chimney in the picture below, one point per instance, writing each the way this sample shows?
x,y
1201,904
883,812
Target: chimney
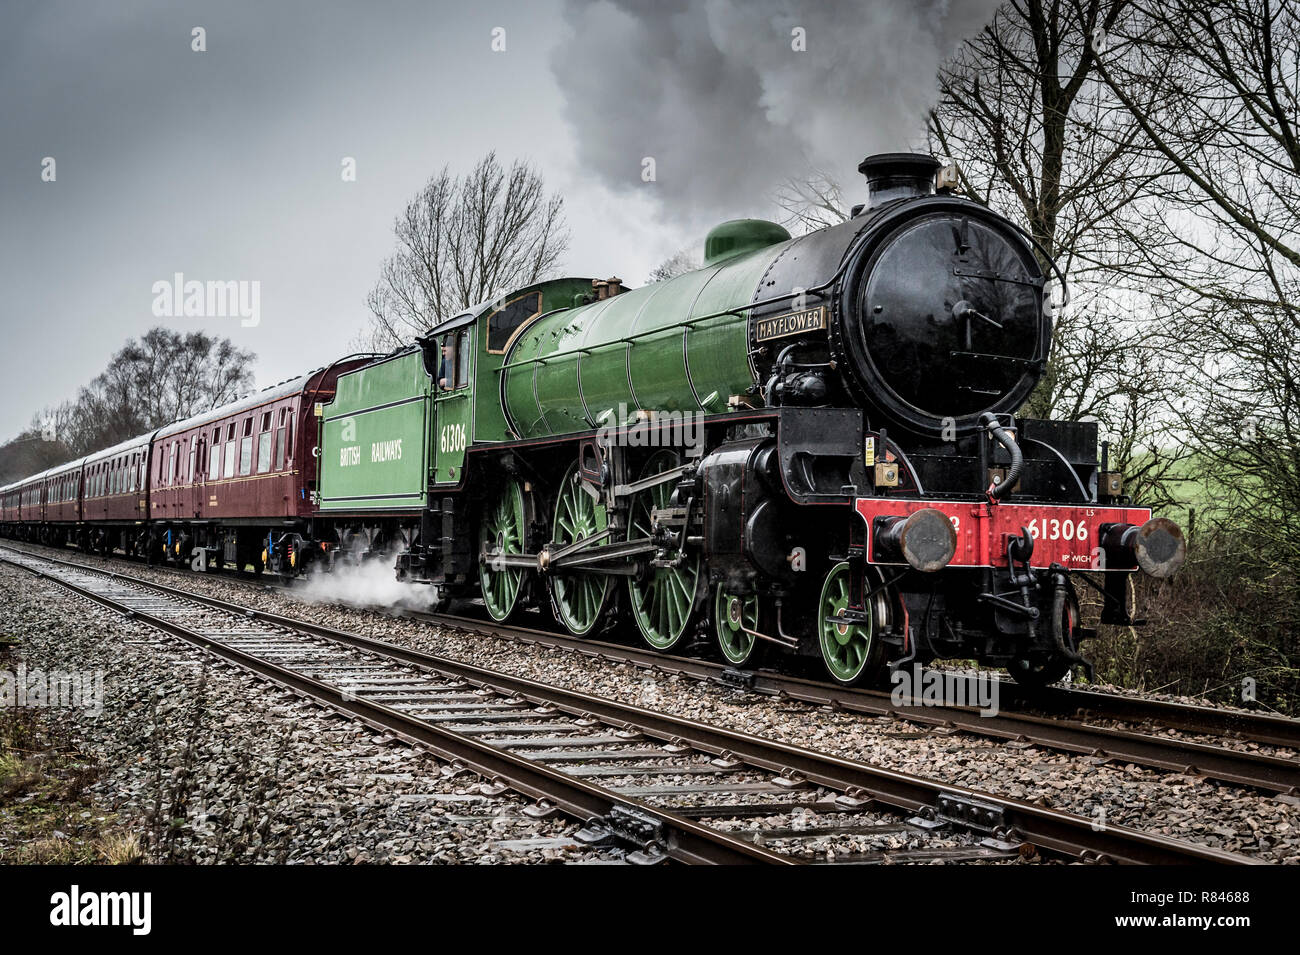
x,y
893,176
606,288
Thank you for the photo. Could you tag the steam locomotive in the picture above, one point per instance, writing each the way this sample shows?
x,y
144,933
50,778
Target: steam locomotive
x,y
809,446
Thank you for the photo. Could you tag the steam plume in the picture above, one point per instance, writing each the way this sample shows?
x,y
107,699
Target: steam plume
x,y
716,93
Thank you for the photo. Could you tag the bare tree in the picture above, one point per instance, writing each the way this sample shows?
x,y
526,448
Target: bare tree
x,y
1214,90
1038,136
34,450
812,201
463,240
163,376
681,261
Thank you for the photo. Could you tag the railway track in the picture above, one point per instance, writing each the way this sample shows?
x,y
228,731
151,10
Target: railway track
x,y
1270,773
1055,718
660,786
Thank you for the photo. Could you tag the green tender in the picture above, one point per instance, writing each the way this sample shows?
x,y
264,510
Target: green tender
x,y
374,437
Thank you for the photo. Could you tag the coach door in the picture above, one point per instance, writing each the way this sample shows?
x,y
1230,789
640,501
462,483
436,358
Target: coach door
x,y
198,473
453,405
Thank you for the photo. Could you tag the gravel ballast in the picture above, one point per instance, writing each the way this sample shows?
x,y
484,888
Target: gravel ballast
x,y
250,772
1188,807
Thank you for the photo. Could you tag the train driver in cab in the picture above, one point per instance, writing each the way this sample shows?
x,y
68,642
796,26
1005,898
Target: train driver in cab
x,y
447,368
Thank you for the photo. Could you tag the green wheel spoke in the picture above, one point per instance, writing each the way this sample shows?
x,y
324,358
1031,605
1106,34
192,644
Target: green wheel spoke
x,y
579,598
502,533
737,645
847,648
663,602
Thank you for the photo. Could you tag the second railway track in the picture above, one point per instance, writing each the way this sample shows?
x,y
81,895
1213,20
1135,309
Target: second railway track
x,y
1267,772
662,786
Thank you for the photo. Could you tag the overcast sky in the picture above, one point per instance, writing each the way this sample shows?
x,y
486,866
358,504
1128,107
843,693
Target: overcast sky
x,y
226,164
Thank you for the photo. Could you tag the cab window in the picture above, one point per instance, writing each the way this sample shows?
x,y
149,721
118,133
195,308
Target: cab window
x,y
463,357
447,363
505,322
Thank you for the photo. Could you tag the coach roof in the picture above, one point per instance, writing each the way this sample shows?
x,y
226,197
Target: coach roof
x,y
270,393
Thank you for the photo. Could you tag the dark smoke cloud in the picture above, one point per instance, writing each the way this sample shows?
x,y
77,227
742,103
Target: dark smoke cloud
x,y
714,92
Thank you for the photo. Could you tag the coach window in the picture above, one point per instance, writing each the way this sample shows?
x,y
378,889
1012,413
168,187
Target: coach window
x,y
231,448
288,440
264,445
279,439
246,447
214,456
